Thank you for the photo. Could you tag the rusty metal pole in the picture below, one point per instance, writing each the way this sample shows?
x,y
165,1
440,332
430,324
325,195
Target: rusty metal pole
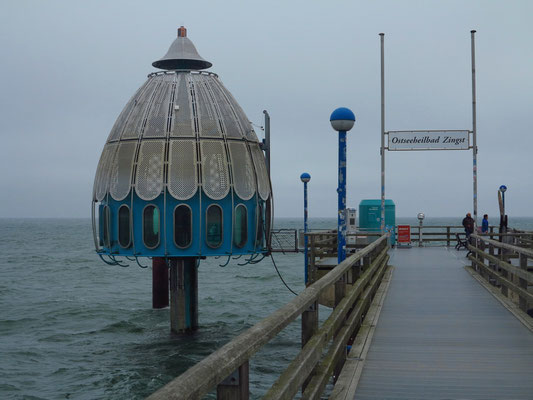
x,y
183,294
159,283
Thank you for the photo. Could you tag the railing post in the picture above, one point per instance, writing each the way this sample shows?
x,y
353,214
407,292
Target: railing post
x,y
236,386
522,283
340,289
309,322
473,243
311,268
503,272
448,236
309,328
491,264
356,272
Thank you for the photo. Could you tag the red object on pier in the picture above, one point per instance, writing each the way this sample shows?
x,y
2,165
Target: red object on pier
x,y
404,234
159,283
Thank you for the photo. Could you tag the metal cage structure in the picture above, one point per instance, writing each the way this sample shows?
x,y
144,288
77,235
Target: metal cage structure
x,y
182,140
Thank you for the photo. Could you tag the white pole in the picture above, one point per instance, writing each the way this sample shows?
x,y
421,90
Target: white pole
x,y
382,133
474,128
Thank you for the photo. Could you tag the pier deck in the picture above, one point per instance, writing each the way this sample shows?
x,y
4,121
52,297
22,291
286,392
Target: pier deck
x,y
442,335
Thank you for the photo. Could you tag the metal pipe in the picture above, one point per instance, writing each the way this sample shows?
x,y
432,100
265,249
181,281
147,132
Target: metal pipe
x,y
267,140
341,190
382,39
160,294
474,128
305,232
420,239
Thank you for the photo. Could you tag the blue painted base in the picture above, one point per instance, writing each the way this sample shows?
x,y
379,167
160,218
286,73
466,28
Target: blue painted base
x,y
165,246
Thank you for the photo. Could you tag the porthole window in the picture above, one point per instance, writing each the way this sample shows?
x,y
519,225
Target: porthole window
x,y
240,226
259,233
105,219
182,226
124,227
214,226
151,226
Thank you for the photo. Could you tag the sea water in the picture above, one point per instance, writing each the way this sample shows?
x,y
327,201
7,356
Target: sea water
x,y
72,327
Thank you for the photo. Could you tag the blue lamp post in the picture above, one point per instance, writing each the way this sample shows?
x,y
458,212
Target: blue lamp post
x,y
342,120
305,177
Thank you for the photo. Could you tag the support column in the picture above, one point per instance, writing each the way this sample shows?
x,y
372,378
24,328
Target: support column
x,y
159,282
183,295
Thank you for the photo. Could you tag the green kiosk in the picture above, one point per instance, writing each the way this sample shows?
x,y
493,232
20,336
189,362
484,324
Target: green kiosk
x,y
370,217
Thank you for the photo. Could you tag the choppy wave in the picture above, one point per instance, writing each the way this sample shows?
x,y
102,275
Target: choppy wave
x,y
72,327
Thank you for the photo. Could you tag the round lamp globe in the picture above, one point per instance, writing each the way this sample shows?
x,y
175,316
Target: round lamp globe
x,y
342,119
305,177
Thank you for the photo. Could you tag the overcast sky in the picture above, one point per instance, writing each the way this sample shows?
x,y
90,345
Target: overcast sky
x,y
69,67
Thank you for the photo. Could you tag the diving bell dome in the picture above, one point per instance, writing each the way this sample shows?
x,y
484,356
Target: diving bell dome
x,y
182,172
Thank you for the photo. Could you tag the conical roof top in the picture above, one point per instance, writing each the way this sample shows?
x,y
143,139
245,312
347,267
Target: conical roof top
x,y
182,55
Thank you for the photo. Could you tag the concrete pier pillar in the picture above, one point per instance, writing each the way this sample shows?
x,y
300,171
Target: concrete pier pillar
x,y
159,283
183,295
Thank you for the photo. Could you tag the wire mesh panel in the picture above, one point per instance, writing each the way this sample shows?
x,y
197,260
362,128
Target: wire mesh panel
x,y
183,118
149,179
182,172
241,116
118,127
263,182
242,169
284,240
215,176
121,170
232,128
156,121
209,126
132,130
101,181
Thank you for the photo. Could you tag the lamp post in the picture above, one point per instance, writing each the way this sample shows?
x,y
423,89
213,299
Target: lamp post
x,y
305,178
420,217
503,217
342,120
503,188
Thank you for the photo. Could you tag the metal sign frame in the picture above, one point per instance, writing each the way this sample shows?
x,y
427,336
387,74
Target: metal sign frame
x,y
472,132
430,132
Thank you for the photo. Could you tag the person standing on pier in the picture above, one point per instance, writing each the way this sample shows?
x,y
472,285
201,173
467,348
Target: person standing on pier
x,y
468,223
485,224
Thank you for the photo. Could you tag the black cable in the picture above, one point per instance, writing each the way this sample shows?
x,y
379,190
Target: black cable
x,y
280,277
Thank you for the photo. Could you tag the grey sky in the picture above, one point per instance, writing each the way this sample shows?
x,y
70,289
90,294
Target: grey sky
x,y
69,67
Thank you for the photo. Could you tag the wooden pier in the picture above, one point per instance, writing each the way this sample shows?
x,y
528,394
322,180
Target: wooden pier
x,y
436,325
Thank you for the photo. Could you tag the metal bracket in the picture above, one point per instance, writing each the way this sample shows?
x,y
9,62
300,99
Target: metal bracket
x,y
233,379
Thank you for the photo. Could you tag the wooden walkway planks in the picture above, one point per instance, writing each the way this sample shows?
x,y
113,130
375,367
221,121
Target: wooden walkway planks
x,y
442,335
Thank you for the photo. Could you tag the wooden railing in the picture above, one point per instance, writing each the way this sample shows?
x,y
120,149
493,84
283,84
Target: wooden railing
x,y
442,235
355,282
324,242
493,260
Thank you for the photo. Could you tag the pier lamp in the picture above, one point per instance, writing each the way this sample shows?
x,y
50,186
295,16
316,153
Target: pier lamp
x,y
503,188
305,178
342,120
420,217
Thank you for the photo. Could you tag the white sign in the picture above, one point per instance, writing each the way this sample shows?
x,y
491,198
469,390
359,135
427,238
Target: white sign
x,y
428,140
